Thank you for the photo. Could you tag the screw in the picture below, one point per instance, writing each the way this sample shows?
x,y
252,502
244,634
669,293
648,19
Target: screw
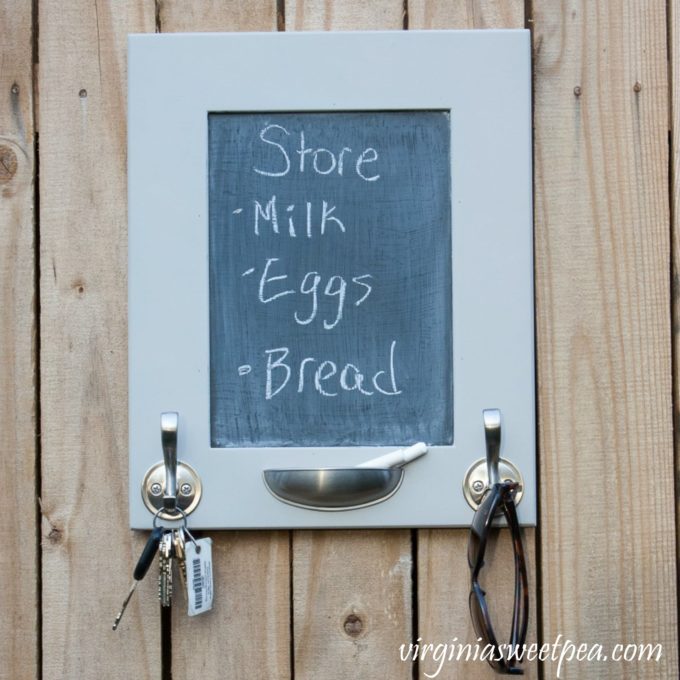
x,y
156,489
185,489
478,486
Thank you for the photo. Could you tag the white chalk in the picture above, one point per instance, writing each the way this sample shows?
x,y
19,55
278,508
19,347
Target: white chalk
x,y
396,458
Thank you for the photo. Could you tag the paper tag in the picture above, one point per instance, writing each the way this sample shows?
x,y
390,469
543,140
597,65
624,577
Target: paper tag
x,y
199,576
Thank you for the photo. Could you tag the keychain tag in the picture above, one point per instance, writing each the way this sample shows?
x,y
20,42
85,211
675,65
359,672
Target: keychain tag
x,y
199,576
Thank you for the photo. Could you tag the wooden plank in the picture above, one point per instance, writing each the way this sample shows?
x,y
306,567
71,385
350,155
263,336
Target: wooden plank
x,y
674,72
604,364
88,550
19,555
351,590
344,15
443,592
443,572
252,569
351,604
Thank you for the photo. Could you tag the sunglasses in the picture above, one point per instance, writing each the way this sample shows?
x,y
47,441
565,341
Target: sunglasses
x,y
499,498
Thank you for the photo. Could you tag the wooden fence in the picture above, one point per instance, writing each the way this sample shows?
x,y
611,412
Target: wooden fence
x,y
331,605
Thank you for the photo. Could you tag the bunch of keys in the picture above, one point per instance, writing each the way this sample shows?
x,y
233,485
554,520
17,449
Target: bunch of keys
x,y
171,546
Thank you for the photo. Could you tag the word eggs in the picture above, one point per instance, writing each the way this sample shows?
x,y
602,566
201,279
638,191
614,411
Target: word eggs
x,y
330,279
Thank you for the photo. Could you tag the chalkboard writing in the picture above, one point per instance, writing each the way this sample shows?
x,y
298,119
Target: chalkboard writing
x,y
330,278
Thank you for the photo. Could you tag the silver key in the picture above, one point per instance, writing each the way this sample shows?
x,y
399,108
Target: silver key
x,y
145,560
180,556
165,569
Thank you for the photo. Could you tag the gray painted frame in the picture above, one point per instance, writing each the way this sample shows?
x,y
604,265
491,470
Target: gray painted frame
x,y
484,79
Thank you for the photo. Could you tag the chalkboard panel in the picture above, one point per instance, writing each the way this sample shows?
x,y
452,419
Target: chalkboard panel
x,y
330,278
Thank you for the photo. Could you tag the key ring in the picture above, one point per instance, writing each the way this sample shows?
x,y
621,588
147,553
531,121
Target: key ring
x,y
177,509
185,528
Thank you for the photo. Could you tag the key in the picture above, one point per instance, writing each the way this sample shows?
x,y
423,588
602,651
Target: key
x,y
142,567
180,556
165,570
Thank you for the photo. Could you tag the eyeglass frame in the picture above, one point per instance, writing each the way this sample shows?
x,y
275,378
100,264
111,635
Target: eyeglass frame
x,y
500,496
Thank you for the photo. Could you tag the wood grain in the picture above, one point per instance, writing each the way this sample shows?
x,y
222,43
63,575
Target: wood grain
x,y
88,550
351,590
604,364
19,641
352,604
250,621
176,16
423,14
344,15
443,573
247,634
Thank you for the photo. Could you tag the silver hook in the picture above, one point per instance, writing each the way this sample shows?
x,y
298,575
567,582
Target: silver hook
x,y
485,472
169,425
492,434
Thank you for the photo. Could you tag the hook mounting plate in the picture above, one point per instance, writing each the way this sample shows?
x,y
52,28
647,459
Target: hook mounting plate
x,y
189,490
476,480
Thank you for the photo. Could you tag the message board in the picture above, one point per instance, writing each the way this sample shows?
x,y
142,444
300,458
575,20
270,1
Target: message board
x,y
330,270
342,267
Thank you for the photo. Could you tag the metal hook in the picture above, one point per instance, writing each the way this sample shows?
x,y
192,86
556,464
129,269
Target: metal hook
x,y
492,435
169,425
486,472
172,487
